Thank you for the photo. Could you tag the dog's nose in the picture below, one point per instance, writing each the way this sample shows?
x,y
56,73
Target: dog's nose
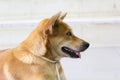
x,y
86,44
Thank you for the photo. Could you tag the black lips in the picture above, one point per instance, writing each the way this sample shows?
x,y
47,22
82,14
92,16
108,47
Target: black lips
x,y
70,52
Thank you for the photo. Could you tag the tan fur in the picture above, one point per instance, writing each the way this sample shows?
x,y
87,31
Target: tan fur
x,y
25,63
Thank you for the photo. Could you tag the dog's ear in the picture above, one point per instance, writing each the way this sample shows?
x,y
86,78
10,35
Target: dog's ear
x,y
55,20
62,16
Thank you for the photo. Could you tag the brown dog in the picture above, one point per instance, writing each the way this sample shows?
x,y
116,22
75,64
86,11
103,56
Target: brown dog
x,y
37,57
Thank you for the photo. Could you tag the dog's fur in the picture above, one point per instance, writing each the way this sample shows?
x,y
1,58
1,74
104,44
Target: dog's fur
x,y
50,39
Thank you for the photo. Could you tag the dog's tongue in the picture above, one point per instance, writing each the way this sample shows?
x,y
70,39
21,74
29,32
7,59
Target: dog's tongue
x,y
78,54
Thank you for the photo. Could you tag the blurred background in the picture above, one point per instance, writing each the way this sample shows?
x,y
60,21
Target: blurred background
x,y
96,21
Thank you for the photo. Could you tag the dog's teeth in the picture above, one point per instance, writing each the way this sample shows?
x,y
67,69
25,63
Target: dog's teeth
x,y
69,50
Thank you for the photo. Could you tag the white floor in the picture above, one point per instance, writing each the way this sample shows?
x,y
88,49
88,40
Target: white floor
x,y
96,64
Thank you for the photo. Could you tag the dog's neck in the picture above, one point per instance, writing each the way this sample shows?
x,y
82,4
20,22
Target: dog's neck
x,y
52,55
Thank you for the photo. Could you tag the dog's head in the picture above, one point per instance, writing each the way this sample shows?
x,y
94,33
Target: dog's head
x,y
59,38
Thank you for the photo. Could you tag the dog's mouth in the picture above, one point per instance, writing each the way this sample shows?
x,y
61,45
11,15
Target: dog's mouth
x,y
72,53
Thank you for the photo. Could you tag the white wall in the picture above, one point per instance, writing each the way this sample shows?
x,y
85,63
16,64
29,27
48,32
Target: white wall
x,y
37,9
79,11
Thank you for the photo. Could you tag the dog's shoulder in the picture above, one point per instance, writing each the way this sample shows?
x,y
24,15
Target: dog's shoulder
x,y
4,52
5,55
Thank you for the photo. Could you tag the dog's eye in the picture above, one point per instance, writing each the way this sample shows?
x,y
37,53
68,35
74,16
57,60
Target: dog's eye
x,y
69,33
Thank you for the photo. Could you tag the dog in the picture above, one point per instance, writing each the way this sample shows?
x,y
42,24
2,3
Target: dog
x,y
38,56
